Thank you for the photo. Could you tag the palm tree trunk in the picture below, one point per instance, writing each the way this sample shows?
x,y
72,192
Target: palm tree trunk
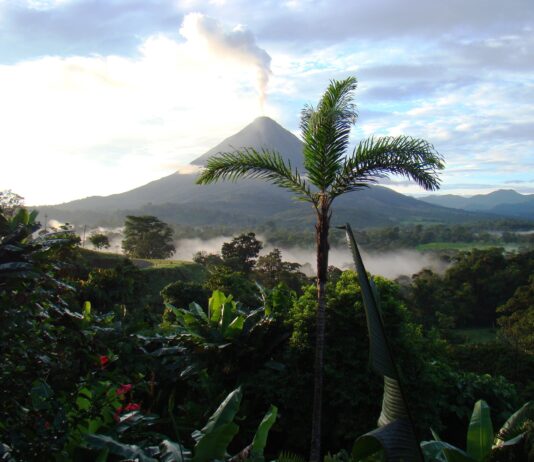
x,y
321,235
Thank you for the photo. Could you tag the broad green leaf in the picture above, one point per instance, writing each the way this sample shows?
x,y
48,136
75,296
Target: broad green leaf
x,y
513,427
87,310
480,432
396,439
235,327
102,455
41,393
227,316
260,438
225,413
198,310
83,403
213,445
439,451
173,452
127,451
215,305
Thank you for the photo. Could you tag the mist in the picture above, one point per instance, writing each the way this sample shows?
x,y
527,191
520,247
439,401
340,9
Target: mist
x,y
391,264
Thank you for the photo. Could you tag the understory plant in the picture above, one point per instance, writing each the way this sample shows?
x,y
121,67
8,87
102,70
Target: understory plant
x,y
211,442
482,443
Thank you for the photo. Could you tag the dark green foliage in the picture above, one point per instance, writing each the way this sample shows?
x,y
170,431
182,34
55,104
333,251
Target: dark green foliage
x,y
107,289
99,241
517,318
182,293
271,270
147,237
471,290
210,443
512,442
496,359
241,252
233,282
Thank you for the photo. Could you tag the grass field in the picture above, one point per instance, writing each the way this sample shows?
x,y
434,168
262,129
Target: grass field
x,y
477,335
158,273
462,246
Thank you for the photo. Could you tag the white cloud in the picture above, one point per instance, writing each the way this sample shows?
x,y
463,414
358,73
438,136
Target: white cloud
x,y
77,126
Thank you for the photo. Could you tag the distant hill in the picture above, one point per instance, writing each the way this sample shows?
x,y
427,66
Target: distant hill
x,y
177,199
505,202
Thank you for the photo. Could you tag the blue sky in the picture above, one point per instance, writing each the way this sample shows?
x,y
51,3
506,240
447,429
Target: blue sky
x,y
100,96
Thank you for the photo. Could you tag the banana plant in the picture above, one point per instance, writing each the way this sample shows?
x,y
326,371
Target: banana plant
x,y
211,442
396,434
224,321
481,439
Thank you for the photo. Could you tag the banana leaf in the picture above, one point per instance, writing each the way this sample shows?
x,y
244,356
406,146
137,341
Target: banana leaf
x,y
126,451
480,432
173,452
214,438
439,451
260,438
395,438
512,431
396,434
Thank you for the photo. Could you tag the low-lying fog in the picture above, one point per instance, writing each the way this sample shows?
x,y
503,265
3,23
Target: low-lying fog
x,y
388,264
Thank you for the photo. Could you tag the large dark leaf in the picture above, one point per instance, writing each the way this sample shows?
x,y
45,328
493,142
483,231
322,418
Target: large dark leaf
x,y
225,413
260,438
513,428
173,452
213,445
127,451
397,435
396,439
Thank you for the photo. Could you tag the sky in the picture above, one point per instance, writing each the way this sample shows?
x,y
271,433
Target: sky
x,y
101,96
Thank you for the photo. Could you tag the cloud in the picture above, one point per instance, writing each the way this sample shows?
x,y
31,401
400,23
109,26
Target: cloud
x,y
237,44
106,124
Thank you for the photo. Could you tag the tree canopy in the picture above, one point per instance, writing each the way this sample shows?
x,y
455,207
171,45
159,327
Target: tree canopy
x,y
147,237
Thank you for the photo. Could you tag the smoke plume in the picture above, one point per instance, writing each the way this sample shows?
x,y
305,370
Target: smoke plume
x,y
238,44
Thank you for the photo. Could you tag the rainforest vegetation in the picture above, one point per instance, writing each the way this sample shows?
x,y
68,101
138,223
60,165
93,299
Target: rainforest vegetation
x,y
242,356
141,357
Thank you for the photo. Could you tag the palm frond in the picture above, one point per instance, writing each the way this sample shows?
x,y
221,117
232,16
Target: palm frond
x,y
326,130
374,158
250,163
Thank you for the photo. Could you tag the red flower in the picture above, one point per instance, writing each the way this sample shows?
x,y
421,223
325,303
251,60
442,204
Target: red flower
x,y
104,360
128,408
132,407
124,388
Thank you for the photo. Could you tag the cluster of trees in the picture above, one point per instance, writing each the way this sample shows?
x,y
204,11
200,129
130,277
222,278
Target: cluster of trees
x,y
480,289
238,268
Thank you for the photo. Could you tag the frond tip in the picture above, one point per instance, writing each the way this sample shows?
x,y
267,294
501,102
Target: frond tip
x,y
413,158
250,163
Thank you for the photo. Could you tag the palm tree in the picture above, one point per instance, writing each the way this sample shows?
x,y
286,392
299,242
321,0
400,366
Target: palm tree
x,y
329,174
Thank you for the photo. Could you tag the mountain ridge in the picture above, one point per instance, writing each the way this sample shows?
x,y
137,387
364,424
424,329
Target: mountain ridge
x,y
507,202
177,198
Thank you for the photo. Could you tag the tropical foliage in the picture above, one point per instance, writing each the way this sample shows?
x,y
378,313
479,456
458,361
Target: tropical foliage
x,y
147,237
329,173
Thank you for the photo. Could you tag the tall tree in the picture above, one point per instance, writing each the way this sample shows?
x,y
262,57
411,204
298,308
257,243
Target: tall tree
x,y
147,237
240,254
329,174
